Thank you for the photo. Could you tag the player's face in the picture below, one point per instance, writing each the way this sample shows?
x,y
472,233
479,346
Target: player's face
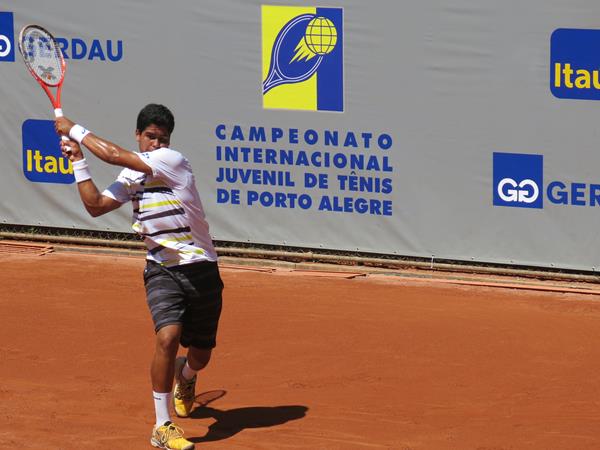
x,y
152,137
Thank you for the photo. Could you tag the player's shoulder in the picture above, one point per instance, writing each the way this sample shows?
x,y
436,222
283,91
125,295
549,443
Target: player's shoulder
x,y
166,154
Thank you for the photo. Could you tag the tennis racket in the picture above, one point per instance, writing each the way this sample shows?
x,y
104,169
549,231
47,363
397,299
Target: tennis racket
x,y
282,70
45,62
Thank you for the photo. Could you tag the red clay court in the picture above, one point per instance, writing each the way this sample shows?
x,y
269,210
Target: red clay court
x,y
305,360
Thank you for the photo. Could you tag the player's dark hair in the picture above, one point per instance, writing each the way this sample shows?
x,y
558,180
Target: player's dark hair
x,y
158,115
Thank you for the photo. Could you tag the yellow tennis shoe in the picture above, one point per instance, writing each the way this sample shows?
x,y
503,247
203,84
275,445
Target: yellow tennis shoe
x,y
170,437
184,392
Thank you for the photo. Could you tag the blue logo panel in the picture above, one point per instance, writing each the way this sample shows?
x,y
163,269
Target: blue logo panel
x,y
303,49
7,37
575,64
518,180
42,159
330,80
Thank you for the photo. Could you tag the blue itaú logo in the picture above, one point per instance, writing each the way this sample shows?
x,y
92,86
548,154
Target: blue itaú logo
x,y
7,37
575,64
42,159
518,180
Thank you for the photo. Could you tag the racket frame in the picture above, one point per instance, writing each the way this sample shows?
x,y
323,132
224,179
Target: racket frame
x,y
54,99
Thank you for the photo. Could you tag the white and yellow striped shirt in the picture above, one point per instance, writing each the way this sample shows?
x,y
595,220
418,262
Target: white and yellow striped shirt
x,y
167,210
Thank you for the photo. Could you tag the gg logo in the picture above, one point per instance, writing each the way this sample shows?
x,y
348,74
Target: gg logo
x,y
5,46
7,37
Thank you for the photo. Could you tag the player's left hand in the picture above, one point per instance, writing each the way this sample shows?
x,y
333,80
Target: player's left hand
x,y
62,125
72,150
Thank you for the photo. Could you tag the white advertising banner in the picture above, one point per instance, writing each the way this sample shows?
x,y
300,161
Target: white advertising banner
x,y
456,130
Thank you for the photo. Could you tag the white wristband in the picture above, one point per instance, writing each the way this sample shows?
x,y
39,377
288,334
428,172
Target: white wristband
x,y
81,171
77,133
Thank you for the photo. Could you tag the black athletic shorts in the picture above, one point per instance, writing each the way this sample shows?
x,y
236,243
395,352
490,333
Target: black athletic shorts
x,y
189,295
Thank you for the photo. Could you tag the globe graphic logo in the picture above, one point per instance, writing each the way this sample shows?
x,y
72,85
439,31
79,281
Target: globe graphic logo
x,y
320,36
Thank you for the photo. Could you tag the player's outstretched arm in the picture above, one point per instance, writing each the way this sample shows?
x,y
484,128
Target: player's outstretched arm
x,y
105,150
95,203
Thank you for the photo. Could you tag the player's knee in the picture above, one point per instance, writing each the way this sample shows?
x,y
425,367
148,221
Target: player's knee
x,y
167,341
198,359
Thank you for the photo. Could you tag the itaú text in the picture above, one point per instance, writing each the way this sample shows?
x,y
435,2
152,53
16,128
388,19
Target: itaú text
x,y
572,78
38,162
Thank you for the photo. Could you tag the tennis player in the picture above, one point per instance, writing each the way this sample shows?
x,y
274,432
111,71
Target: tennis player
x,y
183,285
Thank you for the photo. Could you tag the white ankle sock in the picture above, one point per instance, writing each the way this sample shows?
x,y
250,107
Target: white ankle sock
x,y
187,372
161,407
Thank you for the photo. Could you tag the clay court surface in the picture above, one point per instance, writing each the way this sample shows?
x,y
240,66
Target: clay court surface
x,y
304,361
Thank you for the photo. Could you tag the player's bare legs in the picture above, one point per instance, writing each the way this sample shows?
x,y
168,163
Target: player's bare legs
x,y
165,433
163,363
186,368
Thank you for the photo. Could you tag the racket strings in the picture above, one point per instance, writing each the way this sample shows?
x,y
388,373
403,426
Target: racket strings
x,y
43,56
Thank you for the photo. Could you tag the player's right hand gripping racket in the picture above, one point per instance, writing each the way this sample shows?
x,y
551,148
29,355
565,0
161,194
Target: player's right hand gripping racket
x,y
45,62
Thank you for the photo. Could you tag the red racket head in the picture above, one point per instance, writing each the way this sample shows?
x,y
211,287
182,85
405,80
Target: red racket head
x,y
43,58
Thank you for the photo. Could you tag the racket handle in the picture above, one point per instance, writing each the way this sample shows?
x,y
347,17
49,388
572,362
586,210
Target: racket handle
x,y
58,112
